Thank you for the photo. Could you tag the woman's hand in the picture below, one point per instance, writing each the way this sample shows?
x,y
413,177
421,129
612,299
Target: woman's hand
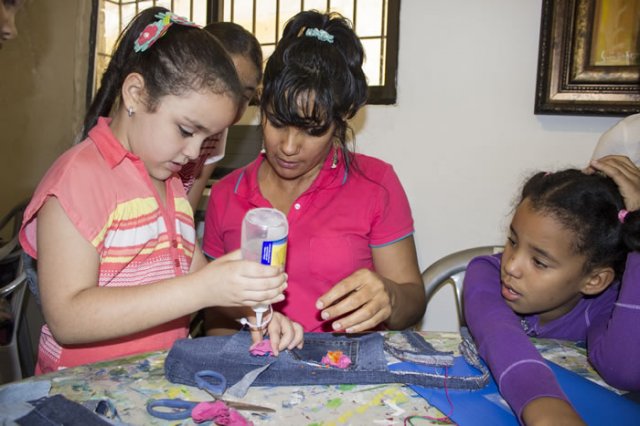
x,y
283,333
365,296
624,173
393,294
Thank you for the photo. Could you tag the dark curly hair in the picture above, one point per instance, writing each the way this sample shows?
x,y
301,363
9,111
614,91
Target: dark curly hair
x,y
587,205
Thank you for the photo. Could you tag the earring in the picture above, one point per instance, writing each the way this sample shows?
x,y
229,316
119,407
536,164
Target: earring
x,y
130,111
334,163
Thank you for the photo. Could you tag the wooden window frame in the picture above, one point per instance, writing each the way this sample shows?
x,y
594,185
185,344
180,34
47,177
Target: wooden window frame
x,y
384,94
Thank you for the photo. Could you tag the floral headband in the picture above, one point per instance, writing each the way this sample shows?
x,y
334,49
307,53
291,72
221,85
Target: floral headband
x,y
155,30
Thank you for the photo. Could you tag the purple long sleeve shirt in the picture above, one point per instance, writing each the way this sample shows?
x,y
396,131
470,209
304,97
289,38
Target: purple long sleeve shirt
x,y
502,336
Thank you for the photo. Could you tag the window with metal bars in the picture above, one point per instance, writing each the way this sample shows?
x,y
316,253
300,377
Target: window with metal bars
x,y
375,21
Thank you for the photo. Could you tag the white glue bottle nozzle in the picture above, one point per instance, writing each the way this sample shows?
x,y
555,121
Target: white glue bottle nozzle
x,y
259,310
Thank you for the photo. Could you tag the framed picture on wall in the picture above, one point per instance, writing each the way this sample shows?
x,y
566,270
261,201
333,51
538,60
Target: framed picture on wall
x,y
589,58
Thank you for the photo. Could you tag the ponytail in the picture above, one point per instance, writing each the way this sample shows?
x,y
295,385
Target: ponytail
x,y
631,230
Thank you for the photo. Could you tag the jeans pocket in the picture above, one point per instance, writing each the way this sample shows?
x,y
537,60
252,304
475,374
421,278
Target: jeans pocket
x,y
315,349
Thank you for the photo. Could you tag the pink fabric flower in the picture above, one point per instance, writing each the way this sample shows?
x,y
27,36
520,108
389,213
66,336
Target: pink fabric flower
x,y
148,34
262,348
219,413
157,29
336,359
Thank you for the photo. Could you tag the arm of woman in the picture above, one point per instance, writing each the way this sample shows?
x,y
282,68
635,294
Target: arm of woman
x,y
519,370
78,311
613,344
393,293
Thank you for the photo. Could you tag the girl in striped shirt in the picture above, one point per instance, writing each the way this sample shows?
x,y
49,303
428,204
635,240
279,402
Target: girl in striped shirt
x,y
119,268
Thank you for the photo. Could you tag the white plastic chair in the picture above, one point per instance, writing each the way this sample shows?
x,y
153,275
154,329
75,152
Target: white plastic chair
x,y
450,269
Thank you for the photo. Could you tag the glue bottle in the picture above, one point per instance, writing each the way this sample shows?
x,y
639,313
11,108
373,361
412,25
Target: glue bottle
x,y
264,240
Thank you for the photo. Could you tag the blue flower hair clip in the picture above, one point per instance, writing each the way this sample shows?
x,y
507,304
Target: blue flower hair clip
x,y
321,35
155,30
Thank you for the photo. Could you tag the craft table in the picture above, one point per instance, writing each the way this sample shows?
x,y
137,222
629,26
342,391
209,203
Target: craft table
x,y
130,382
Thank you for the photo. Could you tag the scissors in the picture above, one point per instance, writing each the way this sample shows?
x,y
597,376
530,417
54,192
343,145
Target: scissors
x,y
211,382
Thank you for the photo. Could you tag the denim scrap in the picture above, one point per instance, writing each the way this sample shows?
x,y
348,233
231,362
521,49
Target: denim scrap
x,y
469,350
408,346
428,363
229,355
240,389
58,410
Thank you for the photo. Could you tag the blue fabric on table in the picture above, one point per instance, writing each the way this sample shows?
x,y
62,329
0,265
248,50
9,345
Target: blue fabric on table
x,y
486,407
15,397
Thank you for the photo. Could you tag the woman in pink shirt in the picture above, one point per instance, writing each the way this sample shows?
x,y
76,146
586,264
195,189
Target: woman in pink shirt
x,y
351,258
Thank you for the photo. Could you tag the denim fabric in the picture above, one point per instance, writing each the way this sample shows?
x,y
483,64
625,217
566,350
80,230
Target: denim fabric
x,y
58,410
229,355
413,348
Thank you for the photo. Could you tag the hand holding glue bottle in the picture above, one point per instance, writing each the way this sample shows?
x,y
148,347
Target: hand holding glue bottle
x,y
264,240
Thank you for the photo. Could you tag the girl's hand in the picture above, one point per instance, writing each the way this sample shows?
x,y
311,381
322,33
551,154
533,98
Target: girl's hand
x,y
624,173
230,281
283,334
365,296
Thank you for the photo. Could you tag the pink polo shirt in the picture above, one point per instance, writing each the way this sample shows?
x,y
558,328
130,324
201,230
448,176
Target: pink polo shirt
x,y
332,226
108,195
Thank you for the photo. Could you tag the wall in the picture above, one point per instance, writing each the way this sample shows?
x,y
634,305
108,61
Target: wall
x,y
42,90
462,136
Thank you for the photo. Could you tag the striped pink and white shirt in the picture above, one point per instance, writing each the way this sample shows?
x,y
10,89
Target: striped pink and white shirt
x,y
108,195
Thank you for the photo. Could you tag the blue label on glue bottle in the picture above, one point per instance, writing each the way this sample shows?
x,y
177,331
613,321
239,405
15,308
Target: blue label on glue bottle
x,y
274,252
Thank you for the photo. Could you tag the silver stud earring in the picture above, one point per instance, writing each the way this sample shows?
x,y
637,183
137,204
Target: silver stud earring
x,y
130,111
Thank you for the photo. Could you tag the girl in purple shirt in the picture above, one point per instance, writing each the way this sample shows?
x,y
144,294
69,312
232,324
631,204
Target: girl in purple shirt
x,y
570,270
